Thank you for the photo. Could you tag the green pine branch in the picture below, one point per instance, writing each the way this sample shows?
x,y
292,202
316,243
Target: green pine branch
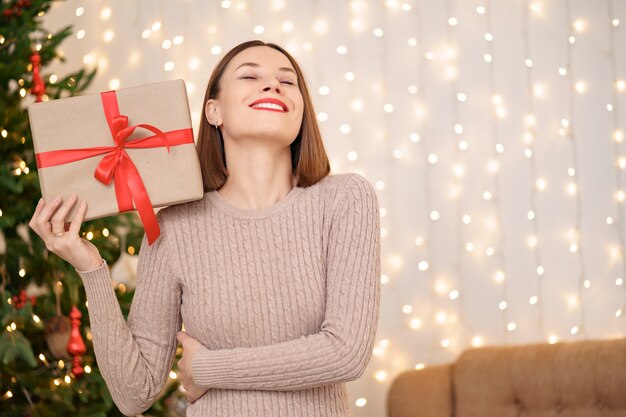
x,y
38,386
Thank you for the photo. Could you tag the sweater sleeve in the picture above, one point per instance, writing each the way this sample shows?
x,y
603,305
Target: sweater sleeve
x,y
341,350
136,356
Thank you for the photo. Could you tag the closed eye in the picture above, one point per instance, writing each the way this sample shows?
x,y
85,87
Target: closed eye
x,y
249,77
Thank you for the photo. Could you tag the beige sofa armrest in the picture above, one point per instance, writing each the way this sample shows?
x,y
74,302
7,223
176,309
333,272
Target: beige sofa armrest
x,y
423,393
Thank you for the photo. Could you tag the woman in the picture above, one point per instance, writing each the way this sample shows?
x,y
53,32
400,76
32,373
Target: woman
x,y
275,272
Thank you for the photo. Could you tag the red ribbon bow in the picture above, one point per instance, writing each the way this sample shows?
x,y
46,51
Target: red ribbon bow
x,y
116,165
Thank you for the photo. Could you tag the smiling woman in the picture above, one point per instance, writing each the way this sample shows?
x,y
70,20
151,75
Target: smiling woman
x,y
254,72
275,272
263,79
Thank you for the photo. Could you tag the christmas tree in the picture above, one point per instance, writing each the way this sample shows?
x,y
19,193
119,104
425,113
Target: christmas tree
x,y
47,364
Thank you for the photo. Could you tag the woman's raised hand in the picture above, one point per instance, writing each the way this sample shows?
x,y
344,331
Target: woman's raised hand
x,y
63,238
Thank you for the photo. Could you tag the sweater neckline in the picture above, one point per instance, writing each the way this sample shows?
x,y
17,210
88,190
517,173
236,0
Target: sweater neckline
x,y
242,213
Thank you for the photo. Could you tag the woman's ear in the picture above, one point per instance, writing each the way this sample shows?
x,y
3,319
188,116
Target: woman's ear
x,y
212,113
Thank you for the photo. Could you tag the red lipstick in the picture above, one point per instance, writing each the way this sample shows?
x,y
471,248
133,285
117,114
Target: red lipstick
x,y
273,101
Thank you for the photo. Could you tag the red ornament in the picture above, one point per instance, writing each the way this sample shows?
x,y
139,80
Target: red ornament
x,y
76,346
16,9
38,88
20,300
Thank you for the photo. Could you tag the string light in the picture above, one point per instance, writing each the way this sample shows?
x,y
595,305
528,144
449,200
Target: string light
x,y
493,168
320,26
477,341
373,112
380,376
105,13
575,244
43,359
108,36
541,183
617,150
449,55
429,340
536,7
381,95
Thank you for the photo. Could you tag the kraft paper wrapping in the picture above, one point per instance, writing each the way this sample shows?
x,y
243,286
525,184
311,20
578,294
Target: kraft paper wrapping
x,y
79,122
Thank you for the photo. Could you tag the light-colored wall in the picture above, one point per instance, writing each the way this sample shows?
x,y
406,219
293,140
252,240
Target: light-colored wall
x,y
421,47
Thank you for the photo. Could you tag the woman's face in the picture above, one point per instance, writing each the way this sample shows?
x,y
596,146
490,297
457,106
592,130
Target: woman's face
x,y
259,73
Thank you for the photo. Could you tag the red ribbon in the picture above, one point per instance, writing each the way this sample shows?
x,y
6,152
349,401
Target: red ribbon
x,y
116,165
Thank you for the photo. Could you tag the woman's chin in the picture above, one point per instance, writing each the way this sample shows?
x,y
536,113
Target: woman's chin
x,y
271,135
269,130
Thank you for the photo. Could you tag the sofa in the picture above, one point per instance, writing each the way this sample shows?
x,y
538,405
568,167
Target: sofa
x,y
567,379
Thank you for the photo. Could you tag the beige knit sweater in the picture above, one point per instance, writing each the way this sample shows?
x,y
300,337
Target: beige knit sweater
x,y
284,299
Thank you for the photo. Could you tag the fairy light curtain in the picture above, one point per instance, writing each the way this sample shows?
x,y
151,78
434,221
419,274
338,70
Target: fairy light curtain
x,y
492,131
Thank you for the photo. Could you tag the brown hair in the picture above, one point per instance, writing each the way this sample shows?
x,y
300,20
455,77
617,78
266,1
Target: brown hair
x,y
308,158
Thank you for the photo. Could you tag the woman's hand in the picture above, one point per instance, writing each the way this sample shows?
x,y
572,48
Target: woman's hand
x,y
79,252
190,346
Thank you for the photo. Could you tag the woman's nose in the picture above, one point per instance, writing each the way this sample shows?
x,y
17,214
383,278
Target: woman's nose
x,y
272,84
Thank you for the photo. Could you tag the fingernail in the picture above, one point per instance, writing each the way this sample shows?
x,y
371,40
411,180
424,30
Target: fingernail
x,y
57,198
40,200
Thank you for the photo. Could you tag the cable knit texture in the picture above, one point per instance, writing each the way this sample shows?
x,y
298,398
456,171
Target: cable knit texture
x,y
284,299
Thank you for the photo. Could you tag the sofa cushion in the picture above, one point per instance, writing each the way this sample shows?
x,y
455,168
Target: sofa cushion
x,y
568,379
421,393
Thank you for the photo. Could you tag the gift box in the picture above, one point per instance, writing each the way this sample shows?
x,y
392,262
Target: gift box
x,y
120,150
